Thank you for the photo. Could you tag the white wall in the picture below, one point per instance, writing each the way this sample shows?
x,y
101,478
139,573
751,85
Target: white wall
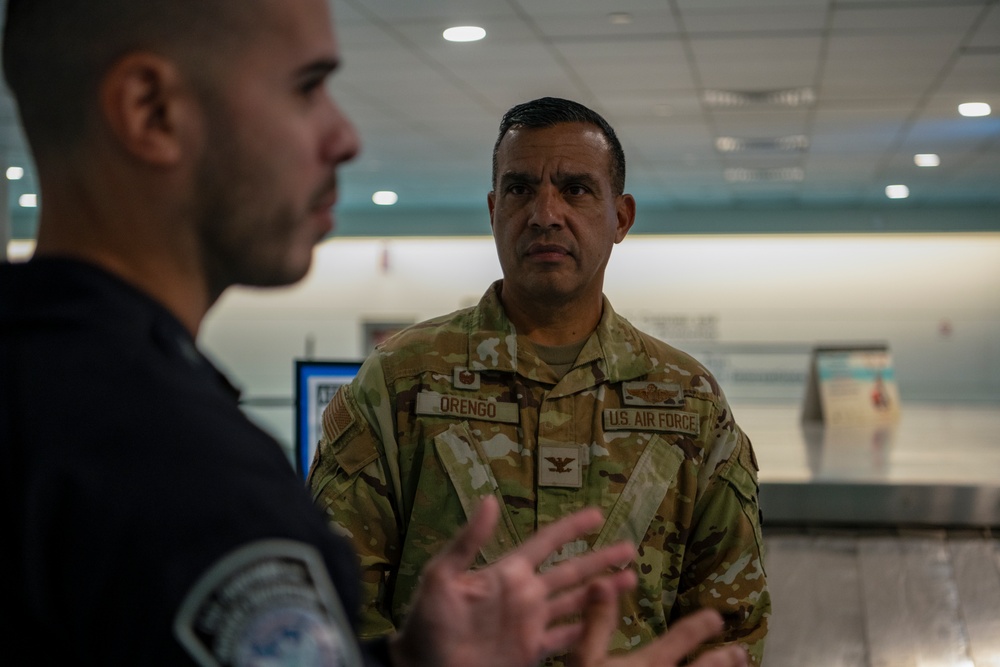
x,y
934,298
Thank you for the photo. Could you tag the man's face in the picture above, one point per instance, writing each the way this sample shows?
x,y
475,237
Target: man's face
x,y
554,214
267,178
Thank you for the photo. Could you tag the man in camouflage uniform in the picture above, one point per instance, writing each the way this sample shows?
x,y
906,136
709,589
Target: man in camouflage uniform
x,y
545,398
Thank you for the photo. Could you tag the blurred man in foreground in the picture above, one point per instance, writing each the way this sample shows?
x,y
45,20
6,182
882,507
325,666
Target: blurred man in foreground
x,y
182,147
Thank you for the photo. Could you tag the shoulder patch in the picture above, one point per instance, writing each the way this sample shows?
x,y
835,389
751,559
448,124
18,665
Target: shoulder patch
x,y
337,417
267,602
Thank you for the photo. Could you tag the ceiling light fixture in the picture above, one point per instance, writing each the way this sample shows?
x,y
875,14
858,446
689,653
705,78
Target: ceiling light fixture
x,y
385,197
464,33
743,175
28,201
794,142
20,250
897,191
926,159
15,173
785,97
974,109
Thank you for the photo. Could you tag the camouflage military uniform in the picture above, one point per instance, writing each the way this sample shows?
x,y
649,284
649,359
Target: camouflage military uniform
x,y
458,407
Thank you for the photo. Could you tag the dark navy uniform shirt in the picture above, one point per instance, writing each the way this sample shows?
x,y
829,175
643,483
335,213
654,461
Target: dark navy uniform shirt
x,y
146,520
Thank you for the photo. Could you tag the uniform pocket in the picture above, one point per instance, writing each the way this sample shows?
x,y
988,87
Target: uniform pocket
x,y
463,458
633,511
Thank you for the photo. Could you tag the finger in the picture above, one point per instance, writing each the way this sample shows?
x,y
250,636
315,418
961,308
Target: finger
x,y
725,656
460,553
573,601
575,570
600,618
683,637
553,536
559,638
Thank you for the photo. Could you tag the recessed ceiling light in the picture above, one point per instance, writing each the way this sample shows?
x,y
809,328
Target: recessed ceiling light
x,y
973,109
20,250
464,33
926,159
28,201
897,191
15,173
385,197
620,18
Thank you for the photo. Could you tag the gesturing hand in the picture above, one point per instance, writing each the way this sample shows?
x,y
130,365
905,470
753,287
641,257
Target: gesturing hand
x,y
601,617
507,614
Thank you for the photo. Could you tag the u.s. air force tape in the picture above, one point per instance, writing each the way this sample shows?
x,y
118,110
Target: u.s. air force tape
x,y
436,403
651,419
268,602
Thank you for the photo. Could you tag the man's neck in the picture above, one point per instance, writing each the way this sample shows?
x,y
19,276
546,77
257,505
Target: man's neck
x,y
563,322
149,267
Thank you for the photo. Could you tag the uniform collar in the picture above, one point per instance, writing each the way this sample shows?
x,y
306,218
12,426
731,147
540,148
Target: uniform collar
x,y
613,352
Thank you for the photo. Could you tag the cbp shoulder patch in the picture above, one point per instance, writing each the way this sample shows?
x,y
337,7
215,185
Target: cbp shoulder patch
x,y
268,602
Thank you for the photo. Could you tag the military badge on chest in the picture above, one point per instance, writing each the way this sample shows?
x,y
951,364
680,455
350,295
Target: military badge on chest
x,y
465,379
660,394
561,465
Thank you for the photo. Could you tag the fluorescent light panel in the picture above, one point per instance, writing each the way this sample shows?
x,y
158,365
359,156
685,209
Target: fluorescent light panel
x,y
795,142
785,97
742,175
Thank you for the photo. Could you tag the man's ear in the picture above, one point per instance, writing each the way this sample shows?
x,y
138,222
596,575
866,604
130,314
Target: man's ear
x,y
491,202
625,210
143,102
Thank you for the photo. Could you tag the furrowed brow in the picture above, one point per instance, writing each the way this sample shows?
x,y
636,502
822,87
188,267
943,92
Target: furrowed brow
x,y
518,177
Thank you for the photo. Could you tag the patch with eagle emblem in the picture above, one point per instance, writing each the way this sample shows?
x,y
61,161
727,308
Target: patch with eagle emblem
x,y
560,465
463,378
652,393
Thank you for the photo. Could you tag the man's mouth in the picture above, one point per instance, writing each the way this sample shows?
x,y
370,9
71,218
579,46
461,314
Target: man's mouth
x,y
547,250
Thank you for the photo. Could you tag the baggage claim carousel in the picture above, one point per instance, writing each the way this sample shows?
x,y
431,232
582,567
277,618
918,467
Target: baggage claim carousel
x,y
938,466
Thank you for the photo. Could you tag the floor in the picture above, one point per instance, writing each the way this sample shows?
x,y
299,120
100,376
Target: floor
x,y
883,545
883,598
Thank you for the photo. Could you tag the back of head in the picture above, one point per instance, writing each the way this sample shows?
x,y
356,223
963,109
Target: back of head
x,y
549,111
55,52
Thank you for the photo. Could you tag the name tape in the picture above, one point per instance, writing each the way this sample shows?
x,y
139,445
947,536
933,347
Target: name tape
x,y
445,405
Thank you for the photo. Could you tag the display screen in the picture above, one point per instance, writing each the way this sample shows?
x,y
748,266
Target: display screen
x,y
315,384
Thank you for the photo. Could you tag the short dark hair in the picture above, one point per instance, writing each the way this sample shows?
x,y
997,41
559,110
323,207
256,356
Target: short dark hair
x,y
549,111
55,52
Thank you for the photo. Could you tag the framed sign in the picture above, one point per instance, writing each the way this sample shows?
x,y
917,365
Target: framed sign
x,y
850,386
315,384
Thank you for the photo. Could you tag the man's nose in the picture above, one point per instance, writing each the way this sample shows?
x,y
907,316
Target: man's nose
x,y
548,208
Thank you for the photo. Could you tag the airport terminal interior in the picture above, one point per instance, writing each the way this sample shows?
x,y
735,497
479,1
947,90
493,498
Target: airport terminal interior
x,y
818,196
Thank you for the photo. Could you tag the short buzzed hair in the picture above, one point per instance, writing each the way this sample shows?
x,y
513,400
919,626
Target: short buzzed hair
x,y
55,52
549,111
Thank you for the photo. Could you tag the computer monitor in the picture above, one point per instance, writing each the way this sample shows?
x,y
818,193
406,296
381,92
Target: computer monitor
x,y
315,384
